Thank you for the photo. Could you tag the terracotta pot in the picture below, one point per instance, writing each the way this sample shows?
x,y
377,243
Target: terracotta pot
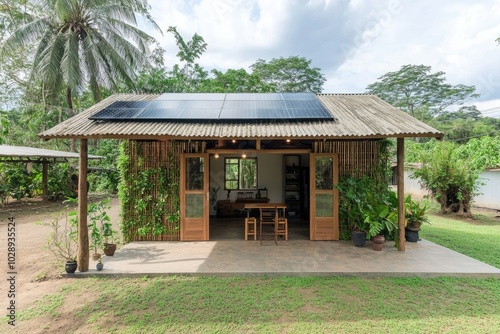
x,y
109,249
414,226
96,256
378,242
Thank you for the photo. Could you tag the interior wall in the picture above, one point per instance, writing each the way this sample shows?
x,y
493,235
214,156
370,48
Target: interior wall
x,y
269,175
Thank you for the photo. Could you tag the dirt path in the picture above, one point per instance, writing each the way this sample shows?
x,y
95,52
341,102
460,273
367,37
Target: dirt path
x,y
38,273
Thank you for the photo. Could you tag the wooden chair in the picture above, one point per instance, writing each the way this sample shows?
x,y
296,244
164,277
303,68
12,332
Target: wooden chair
x,y
268,217
250,227
281,228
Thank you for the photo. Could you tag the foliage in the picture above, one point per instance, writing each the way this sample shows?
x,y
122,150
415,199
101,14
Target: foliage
x,y
16,180
449,179
18,183
465,123
80,43
63,239
353,197
190,74
105,177
148,195
100,224
235,81
451,172
354,191
381,215
415,211
417,91
292,74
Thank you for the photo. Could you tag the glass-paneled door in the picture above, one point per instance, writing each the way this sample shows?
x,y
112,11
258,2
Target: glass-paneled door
x,y
324,216
194,197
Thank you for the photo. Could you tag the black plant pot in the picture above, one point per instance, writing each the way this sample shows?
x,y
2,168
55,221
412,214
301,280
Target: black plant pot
x,y
70,267
99,266
359,238
411,236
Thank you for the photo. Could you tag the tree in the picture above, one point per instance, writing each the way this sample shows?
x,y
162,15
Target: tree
x,y
190,74
422,94
292,74
451,172
82,42
235,81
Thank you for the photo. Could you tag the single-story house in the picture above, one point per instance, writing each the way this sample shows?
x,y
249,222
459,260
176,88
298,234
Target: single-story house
x,y
257,145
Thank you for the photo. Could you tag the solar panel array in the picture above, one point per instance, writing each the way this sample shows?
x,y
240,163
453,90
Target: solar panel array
x,y
218,106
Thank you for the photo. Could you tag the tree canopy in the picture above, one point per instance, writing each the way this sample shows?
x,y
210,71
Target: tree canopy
x,y
292,74
82,44
419,92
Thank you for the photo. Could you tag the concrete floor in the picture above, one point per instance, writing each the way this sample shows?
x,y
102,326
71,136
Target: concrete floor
x,y
229,254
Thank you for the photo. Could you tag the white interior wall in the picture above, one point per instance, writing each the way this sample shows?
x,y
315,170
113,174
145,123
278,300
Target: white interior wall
x,y
269,174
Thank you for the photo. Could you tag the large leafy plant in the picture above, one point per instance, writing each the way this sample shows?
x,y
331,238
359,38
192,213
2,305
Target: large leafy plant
x,y
381,215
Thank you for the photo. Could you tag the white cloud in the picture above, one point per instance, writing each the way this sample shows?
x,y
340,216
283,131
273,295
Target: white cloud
x,y
353,42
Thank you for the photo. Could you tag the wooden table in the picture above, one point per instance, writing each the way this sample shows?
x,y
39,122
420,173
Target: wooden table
x,y
260,206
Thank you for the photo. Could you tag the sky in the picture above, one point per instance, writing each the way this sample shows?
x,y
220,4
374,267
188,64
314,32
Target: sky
x,y
352,42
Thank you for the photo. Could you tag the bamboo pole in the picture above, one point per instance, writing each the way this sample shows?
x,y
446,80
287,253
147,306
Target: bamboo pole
x,y
401,192
83,231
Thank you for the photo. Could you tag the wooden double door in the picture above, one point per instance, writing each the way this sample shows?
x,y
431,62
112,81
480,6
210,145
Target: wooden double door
x,y
194,191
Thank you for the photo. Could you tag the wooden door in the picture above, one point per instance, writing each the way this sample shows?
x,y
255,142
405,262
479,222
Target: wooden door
x,y
324,216
194,197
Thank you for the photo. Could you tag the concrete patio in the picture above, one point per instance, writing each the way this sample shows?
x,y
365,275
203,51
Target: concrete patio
x,y
293,258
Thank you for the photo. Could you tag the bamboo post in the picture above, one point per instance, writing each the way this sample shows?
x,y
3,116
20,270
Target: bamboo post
x,y
83,231
401,192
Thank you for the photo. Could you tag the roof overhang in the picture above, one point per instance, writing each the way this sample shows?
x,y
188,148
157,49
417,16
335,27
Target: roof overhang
x,y
358,116
10,153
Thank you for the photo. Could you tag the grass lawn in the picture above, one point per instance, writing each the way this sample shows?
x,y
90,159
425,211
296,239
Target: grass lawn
x,y
272,305
479,238
284,304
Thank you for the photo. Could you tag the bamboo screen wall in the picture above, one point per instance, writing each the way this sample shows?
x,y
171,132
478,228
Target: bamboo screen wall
x,y
144,156
356,158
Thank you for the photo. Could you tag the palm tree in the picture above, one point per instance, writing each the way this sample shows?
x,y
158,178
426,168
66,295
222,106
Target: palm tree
x,y
83,42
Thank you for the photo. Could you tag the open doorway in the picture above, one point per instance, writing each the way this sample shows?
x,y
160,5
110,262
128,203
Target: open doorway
x,y
227,206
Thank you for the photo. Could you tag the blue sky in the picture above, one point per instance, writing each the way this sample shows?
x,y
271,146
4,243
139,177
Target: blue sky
x,y
353,42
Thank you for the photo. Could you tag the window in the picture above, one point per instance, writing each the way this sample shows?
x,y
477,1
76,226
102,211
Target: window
x,y
240,173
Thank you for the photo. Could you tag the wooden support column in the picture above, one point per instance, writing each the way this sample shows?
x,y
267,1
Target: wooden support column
x,y
45,172
401,193
83,231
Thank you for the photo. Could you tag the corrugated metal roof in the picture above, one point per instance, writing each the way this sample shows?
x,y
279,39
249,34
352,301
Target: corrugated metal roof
x,y
31,152
357,116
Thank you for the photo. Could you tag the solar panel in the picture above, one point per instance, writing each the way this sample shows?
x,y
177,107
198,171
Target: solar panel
x,y
218,106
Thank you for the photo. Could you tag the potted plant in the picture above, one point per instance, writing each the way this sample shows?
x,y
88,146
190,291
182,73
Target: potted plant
x,y
95,239
63,240
415,215
109,237
381,216
353,197
99,265
102,234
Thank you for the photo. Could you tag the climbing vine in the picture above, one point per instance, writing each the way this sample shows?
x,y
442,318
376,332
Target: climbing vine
x,y
149,192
